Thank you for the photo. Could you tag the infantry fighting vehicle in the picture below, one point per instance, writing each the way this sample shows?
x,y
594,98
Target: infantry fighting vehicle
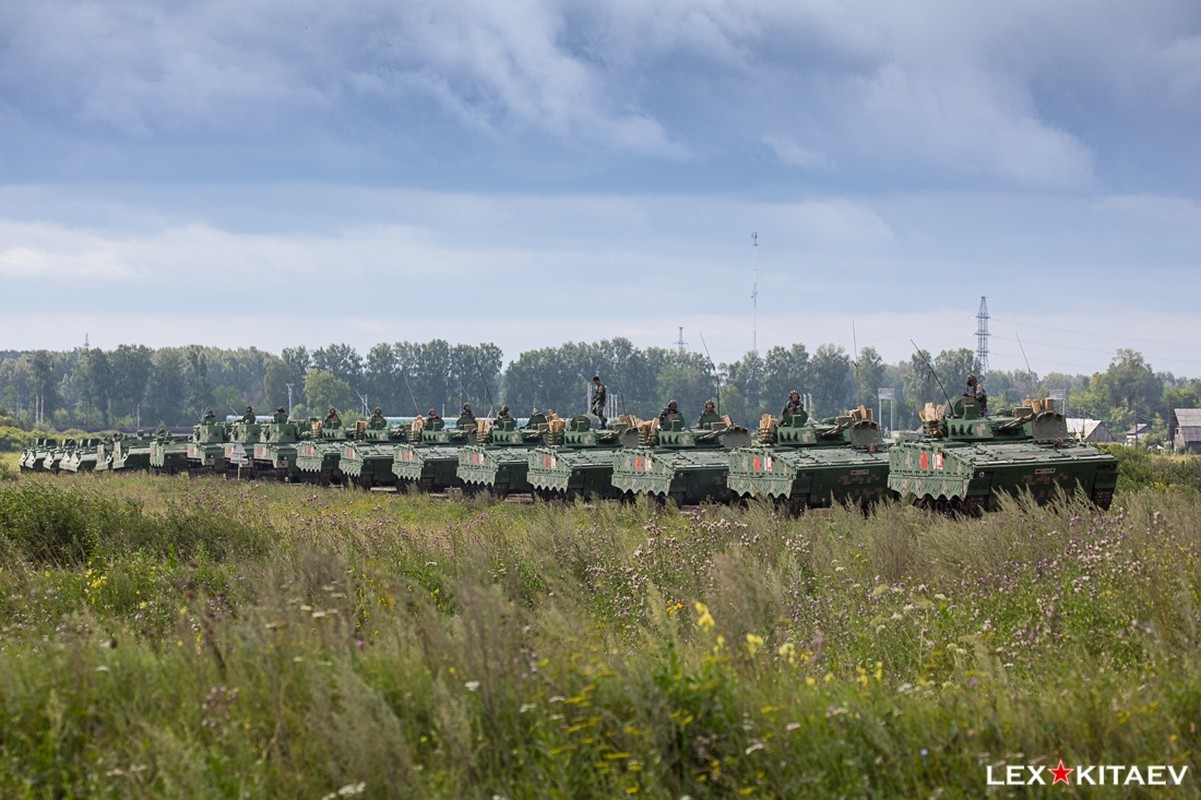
x,y
318,456
168,453
578,461
206,447
275,455
130,452
963,462
81,457
430,459
500,458
679,463
367,460
804,465
35,457
238,451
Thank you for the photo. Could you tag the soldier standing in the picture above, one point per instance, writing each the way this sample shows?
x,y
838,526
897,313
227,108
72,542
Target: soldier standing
x,y
599,395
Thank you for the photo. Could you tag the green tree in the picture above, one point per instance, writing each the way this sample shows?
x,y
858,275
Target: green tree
x,y
831,380
323,389
131,367
869,377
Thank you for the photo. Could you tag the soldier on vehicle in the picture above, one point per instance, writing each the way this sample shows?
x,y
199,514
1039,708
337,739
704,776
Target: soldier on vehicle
x,y
975,390
281,415
249,417
794,405
670,414
209,416
466,417
377,421
432,417
599,395
709,416
536,418
504,415
332,419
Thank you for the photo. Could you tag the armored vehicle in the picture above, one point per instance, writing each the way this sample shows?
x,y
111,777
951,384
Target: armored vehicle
x,y
804,464
367,460
168,453
81,457
35,457
131,452
206,447
578,461
238,452
500,459
275,455
104,453
318,456
430,459
964,462
679,463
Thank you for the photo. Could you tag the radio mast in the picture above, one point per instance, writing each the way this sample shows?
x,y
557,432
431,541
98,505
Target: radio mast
x,y
982,336
755,293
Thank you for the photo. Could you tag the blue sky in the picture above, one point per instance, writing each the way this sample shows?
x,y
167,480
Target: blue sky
x,y
530,173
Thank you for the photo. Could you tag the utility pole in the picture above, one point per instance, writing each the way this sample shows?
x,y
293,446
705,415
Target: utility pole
x,y
289,385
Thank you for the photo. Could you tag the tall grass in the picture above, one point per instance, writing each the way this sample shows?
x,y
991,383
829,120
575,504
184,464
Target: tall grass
x,y
176,638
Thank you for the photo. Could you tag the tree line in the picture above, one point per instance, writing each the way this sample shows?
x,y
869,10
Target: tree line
x,y
135,386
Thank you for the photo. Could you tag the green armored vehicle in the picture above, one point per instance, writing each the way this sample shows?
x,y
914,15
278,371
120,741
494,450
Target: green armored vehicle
x,y
275,456
35,457
963,462
367,460
318,457
104,453
238,451
80,456
500,459
807,465
430,459
168,453
679,463
578,461
206,447
130,452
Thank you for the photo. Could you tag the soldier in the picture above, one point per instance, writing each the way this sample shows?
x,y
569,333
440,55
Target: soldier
x,y
377,421
332,419
504,415
793,406
709,416
669,414
281,415
975,390
249,417
466,417
209,416
536,418
599,395
432,417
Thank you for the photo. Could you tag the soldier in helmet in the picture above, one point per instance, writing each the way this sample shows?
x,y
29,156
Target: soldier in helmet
x,y
599,395
794,405
377,421
975,390
504,415
709,416
669,414
249,417
332,419
432,417
209,416
281,415
466,417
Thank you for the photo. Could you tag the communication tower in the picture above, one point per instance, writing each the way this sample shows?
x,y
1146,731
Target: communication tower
x,y
755,293
982,336
680,342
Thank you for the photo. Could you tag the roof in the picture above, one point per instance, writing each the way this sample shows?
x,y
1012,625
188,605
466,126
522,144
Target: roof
x,y
1093,429
1189,433
1188,417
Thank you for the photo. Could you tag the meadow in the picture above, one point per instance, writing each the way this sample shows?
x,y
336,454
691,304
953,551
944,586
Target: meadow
x,y
199,638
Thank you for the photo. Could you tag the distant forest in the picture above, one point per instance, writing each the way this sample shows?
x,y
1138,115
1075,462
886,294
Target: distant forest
x,y
133,386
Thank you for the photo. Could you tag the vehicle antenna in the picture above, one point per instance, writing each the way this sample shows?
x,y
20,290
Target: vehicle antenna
x,y
712,370
930,367
1029,372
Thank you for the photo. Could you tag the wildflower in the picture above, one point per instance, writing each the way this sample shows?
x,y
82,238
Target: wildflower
x,y
703,618
753,643
472,685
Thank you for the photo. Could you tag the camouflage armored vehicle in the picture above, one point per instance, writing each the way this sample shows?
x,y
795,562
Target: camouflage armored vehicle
x,y
238,451
168,453
367,460
81,456
275,456
500,459
430,459
131,452
35,457
963,462
806,465
578,461
104,453
318,455
206,447
679,463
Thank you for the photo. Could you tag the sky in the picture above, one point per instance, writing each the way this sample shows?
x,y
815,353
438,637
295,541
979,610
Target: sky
x,y
258,173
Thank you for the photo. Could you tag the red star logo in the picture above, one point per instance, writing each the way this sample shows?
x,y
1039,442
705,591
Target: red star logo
x,y
1061,774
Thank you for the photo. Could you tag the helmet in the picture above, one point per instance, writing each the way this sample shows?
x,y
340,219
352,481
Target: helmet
x,y
333,410
378,410
280,410
504,409
971,380
433,413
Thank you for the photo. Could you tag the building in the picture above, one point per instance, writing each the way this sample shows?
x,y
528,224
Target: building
x,y
1088,430
1186,435
1137,436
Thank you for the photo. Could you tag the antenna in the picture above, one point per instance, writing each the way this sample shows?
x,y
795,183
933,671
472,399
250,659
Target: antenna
x,y
755,293
680,342
982,336
712,370
1029,372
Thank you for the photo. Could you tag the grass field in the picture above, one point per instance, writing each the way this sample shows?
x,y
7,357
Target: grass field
x,y
174,638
